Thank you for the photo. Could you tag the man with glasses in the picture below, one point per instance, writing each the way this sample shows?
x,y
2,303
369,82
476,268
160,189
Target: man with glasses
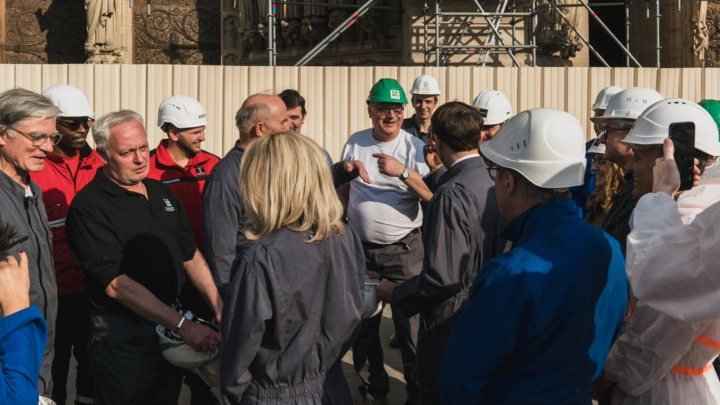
x,y
27,135
386,215
619,116
68,168
535,329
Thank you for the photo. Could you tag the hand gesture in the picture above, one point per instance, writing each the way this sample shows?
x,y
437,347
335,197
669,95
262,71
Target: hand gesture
x,y
388,165
357,168
384,291
431,157
14,284
666,177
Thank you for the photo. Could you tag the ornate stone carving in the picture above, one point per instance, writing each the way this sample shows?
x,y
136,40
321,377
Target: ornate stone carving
x,y
104,30
41,31
553,34
178,32
712,22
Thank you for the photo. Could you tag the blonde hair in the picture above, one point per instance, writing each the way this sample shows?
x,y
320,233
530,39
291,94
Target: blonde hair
x,y
285,182
601,199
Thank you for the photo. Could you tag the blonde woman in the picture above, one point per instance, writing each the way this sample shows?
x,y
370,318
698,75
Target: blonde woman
x,y
295,297
608,182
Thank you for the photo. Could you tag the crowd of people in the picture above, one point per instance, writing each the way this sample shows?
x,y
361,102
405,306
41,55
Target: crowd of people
x,y
522,263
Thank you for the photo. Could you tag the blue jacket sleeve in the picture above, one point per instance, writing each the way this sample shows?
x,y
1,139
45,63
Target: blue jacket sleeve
x,y
22,343
487,332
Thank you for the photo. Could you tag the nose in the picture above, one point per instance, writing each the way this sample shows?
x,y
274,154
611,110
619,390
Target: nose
x,y
47,146
201,137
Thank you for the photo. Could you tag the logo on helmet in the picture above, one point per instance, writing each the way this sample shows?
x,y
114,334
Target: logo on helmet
x,y
395,94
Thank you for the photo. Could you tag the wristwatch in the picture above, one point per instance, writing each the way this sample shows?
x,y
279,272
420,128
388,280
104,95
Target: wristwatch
x,y
405,174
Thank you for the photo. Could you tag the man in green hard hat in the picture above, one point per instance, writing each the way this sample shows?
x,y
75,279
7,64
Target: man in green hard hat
x,y
712,170
386,215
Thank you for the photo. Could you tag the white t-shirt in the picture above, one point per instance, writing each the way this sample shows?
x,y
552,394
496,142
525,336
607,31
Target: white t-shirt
x,y
385,210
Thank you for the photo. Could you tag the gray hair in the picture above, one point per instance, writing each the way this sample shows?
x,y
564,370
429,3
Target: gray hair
x,y
538,194
250,115
103,125
17,105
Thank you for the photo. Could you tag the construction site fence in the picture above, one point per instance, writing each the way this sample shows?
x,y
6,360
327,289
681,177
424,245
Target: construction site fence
x,y
335,96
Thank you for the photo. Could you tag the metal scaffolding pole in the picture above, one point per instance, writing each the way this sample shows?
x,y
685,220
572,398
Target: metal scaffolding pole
x,y
335,33
533,40
271,36
567,20
627,31
437,33
497,33
602,24
657,33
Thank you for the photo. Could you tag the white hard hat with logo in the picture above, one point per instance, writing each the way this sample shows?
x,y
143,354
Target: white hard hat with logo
x,y
597,148
425,85
494,107
71,101
653,125
545,145
604,96
628,104
182,112
180,354
372,304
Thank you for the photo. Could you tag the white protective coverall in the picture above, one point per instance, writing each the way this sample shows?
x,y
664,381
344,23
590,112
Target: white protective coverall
x,y
666,358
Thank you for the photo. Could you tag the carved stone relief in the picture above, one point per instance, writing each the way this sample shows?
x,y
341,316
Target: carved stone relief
x,y
42,31
178,32
712,22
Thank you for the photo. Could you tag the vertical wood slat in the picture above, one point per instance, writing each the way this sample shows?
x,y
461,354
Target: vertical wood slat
x,y
159,87
336,110
235,90
312,87
210,90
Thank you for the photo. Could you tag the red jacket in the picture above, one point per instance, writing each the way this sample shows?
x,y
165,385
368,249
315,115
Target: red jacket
x,y
187,183
59,188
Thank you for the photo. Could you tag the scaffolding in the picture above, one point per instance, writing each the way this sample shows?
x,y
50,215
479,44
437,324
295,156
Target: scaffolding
x,y
479,23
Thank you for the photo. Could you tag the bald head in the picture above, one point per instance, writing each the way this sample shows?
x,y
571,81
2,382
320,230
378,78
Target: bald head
x,y
262,115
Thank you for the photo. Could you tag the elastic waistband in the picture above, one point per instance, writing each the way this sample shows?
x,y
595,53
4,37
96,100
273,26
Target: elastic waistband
x,y
313,385
370,245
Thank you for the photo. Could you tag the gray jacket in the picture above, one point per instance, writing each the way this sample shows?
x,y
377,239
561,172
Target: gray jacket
x,y
27,215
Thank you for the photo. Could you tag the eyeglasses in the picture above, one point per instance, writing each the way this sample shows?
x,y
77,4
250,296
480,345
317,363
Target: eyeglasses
x,y
386,111
38,138
493,171
74,125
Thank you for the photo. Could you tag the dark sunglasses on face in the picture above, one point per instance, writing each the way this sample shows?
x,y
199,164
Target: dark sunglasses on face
x,y
74,125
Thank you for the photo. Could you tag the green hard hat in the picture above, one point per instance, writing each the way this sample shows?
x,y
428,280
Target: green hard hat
x,y
713,107
387,91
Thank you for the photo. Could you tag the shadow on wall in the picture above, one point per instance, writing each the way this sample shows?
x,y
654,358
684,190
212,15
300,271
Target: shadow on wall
x,y
63,24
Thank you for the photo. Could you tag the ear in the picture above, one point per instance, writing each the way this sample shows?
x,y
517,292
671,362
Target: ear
x,y
369,112
173,134
3,137
303,119
507,182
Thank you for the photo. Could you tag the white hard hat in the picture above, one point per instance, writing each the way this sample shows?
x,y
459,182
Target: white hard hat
x,y
372,304
545,145
425,85
597,147
494,107
604,96
628,105
180,354
182,112
653,125
210,372
70,100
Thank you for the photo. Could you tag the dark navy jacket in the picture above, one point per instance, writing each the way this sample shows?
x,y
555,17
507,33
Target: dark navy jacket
x,y
542,317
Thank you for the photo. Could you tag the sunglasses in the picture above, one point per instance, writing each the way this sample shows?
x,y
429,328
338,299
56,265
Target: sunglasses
x,y
74,125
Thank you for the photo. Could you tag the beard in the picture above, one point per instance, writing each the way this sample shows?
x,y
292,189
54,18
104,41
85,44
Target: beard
x,y
187,146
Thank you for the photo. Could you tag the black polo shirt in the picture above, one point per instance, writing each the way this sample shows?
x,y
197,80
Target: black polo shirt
x,y
411,126
112,231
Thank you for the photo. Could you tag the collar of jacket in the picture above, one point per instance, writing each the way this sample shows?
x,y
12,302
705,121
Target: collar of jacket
x,y
10,185
539,217
84,153
238,147
475,163
164,158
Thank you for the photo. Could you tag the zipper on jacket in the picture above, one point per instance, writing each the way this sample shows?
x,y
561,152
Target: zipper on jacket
x,y
39,260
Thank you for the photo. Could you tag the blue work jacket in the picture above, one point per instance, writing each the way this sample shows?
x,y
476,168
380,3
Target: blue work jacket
x,y
541,317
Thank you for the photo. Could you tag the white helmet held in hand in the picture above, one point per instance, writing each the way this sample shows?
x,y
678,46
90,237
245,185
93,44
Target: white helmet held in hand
x,y
180,354
604,96
545,145
210,372
372,304
494,107
425,85
653,125
628,104
71,101
597,147
182,112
